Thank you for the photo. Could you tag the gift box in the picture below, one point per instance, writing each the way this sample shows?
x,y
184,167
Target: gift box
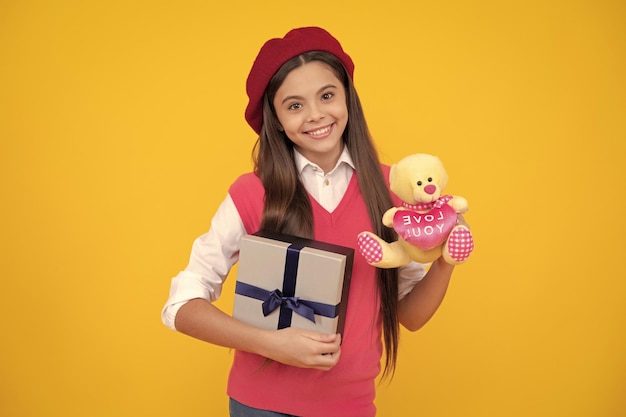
x,y
287,281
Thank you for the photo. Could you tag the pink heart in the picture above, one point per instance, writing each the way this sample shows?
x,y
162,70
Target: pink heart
x,y
425,230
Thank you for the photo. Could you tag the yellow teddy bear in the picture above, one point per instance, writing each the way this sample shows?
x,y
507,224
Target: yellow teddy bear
x,y
427,224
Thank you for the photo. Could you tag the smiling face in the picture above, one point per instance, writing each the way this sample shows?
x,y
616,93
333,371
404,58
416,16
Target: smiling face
x,y
311,108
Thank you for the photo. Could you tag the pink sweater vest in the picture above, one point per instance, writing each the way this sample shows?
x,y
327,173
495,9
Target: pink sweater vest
x,y
347,390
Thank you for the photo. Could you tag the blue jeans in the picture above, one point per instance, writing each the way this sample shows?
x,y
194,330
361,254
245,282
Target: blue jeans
x,y
239,410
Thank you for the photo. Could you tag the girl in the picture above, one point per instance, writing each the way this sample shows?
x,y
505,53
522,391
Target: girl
x,y
316,175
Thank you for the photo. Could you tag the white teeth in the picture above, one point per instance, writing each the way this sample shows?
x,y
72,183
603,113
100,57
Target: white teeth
x,y
319,131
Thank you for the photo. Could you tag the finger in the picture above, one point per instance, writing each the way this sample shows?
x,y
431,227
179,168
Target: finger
x,y
461,220
329,360
331,348
324,337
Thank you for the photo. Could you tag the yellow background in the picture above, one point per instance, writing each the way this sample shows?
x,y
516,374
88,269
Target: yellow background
x,y
121,127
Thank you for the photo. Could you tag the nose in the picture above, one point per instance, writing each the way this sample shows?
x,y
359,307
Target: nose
x,y
430,189
315,113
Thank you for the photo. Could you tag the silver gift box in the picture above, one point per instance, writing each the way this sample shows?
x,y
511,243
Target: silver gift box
x,y
287,281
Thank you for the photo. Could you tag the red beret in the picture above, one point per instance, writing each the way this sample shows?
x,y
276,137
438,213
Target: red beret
x,y
275,52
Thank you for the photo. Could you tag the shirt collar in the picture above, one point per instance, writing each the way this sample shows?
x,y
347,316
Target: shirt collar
x,y
302,162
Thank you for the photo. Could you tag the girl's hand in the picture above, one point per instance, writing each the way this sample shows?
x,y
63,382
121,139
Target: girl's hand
x,y
460,220
304,348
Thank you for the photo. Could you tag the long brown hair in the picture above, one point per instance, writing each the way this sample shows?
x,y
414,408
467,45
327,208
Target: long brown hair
x,y
287,207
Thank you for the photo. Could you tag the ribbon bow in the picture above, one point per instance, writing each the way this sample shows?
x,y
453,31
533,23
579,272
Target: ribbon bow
x,y
276,299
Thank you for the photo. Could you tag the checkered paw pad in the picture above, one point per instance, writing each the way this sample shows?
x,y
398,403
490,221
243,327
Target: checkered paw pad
x,y
460,244
370,248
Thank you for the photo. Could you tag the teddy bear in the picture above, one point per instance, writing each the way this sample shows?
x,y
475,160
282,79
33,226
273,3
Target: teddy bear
x,y
427,224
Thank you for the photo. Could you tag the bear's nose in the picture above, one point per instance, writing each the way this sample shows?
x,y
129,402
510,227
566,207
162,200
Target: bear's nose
x,y
430,189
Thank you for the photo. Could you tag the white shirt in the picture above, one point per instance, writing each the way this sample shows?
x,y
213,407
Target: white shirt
x,y
214,253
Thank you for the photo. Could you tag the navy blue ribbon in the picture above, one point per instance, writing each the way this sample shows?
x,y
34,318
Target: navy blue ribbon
x,y
275,299
286,299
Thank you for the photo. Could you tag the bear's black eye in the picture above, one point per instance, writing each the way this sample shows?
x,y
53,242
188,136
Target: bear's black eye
x,y
419,183
430,179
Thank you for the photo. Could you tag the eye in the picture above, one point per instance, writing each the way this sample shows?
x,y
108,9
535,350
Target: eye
x,y
430,179
419,183
327,96
294,106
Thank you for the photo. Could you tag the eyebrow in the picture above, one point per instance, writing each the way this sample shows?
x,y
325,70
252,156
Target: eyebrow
x,y
327,86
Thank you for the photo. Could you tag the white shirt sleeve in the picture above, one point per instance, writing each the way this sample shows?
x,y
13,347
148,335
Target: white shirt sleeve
x,y
408,276
212,256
